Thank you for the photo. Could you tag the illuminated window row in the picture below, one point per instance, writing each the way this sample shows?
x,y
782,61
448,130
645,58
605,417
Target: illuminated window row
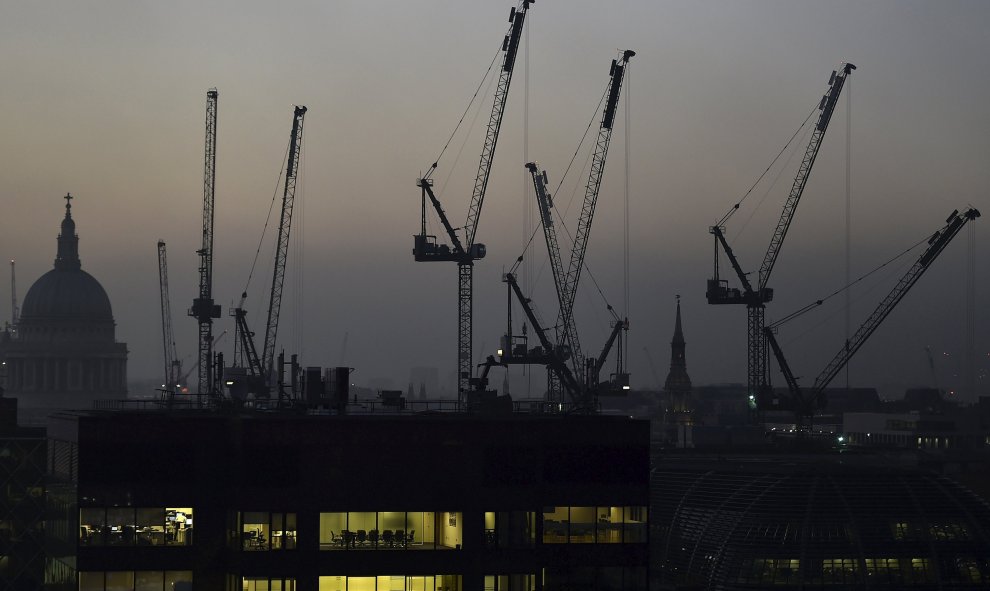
x,y
390,530
268,584
142,580
392,583
130,526
594,525
262,531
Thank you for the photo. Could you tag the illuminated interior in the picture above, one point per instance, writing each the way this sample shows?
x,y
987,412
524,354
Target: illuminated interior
x,y
267,584
130,526
169,580
261,531
390,530
590,525
392,583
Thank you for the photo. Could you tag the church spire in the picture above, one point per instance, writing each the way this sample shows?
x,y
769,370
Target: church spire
x,y
678,383
67,258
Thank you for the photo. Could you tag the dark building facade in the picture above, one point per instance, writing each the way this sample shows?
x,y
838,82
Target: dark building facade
x,y
22,502
442,502
63,352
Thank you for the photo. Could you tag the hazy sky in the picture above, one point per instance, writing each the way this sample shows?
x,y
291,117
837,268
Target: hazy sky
x,y
106,100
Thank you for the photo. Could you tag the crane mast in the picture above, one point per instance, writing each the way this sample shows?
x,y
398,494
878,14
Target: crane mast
x,y
465,254
172,363
14,312
756,299
203,308
568,291
282,246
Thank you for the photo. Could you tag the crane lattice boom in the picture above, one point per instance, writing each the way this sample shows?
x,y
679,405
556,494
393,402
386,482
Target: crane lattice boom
x,y
569,290
172,374
282,245
203,309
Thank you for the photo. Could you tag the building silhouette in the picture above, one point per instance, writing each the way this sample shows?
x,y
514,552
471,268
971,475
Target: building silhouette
x,y
190,499
677,390
63,352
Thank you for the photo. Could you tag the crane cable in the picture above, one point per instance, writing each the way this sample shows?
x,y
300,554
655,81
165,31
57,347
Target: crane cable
x,y
264,230
463,115
584,136
560,217
817,303
735,207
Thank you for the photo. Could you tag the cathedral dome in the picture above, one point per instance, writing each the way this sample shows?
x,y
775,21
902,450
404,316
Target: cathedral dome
x,y
66,302
66,294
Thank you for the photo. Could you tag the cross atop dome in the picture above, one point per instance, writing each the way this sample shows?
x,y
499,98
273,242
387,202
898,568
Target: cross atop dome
x,y
68,204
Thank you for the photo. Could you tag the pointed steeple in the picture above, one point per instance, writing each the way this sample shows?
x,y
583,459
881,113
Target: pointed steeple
x,y
67,258
678,384
677,344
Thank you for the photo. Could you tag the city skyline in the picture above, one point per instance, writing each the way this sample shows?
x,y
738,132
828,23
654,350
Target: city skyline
x,y
107,104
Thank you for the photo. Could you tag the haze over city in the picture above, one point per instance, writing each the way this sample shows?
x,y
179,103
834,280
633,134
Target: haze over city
x,y
105,101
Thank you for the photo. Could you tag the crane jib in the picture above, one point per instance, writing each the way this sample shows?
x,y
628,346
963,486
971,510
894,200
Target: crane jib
x,y
511,44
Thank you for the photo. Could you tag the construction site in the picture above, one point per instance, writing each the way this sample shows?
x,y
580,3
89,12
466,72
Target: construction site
x,y
526,438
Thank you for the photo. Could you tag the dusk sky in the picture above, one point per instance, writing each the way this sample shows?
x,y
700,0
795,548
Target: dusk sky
x,y
106,100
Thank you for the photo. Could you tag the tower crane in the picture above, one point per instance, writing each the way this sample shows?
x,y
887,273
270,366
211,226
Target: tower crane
x,y
173,365
566,282
756,298
259,371
203,308
282,245
426,248
14,312
806,403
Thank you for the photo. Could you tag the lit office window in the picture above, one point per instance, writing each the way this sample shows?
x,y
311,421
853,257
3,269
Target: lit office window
x,y
582,525
92,524
389,530
120,526
555,520
602,525
169,580
396,583
267,584
129,526
178,526
150,526
609,530
262,531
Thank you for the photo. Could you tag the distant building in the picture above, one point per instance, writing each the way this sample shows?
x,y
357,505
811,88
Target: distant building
x,y
817,521
63,352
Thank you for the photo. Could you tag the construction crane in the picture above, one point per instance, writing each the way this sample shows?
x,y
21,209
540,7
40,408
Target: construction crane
x,y
805,404
14,312
173,365
581,388
203,308
756,298
426,248
515,349
282,244
566,282
568,291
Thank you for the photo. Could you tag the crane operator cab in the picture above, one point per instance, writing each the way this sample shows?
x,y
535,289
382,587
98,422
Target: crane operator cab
x,y
426,248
